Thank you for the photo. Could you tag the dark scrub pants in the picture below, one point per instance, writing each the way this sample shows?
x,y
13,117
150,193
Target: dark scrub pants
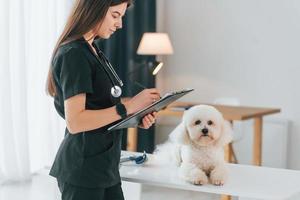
x,y
69,191
87,163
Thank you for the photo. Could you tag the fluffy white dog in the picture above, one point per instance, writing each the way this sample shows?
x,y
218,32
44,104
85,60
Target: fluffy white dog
x,y
196,146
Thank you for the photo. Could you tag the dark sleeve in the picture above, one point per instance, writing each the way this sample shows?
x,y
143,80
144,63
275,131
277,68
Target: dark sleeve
x,y
75,74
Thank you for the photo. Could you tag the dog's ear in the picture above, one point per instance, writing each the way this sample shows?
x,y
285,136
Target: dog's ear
x,y
180,134
226,134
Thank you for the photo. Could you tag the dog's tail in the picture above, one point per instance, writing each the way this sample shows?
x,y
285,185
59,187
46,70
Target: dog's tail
x,y
167,154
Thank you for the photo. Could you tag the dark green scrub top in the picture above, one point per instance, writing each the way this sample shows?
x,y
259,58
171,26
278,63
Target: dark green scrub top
x,y
90,158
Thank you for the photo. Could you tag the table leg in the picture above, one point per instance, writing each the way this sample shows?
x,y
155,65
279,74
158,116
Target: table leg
x,y
257,141
131,139
233,158
227,153
227,149
225,197
227,157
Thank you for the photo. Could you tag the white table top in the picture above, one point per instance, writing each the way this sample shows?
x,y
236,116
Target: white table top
x,y
244,180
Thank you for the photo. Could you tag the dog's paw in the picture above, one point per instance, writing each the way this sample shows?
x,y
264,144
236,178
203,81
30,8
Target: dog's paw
x,y
218,176
200,180
218,182
192,174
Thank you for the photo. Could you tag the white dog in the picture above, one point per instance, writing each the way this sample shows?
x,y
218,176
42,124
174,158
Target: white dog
x,y
196,146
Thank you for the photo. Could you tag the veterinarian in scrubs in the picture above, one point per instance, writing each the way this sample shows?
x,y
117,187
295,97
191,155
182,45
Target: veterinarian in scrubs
x,y
87,94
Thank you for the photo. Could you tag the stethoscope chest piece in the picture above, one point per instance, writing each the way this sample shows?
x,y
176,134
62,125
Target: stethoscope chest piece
x,y
116,91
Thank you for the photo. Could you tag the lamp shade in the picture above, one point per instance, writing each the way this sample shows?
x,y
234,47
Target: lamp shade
x,y
155,44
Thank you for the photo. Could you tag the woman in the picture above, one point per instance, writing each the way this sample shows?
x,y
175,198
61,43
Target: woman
x,y
86,94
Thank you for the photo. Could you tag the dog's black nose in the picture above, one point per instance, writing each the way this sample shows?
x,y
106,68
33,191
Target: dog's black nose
x,y
205,131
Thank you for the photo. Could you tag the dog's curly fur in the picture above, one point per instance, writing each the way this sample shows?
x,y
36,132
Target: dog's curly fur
x,y
196,146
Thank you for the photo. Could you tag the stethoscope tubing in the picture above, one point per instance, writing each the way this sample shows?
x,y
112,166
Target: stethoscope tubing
x,y
116,90
99,55
110,67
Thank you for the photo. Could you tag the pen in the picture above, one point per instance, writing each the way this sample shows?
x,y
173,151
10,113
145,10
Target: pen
x,y
142,86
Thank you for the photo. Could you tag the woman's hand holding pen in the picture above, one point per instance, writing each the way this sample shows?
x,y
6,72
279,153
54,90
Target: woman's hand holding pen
x,y
140,101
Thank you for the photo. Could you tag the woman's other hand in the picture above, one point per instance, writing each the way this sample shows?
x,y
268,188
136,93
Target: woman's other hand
x,y
148,120
142,100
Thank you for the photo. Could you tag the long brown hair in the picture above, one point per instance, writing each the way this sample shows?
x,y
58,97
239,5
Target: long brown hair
x,y
85,15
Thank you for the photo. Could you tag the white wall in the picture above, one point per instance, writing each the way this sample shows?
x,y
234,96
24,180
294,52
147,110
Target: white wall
x,y
230,48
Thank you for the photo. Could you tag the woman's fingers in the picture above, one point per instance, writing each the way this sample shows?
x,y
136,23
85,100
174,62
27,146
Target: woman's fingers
x,y
154,98
153,94
154,114
149,120
153,91
146,125
142,99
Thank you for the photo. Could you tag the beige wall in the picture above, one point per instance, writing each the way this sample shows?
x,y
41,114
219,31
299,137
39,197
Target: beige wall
x,y
244,49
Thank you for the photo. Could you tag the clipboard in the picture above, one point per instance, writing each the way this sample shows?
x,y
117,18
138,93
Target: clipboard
x,y
135,119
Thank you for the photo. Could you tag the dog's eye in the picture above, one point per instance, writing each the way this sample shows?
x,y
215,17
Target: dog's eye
x,y
197,122
210,122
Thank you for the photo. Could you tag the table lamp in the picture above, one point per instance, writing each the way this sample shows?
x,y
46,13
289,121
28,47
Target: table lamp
x,y
155,44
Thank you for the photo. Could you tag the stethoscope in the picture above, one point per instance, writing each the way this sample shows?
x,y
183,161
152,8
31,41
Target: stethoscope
x,y
137,159
115,90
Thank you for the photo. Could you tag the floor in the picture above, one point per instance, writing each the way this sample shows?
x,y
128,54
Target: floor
x,y
41,186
